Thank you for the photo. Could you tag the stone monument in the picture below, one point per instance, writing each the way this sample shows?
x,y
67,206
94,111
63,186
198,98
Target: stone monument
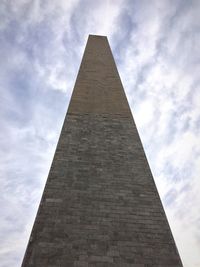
x,y
100,205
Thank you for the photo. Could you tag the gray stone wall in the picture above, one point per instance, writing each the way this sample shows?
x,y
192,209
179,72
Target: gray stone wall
x,y
100,206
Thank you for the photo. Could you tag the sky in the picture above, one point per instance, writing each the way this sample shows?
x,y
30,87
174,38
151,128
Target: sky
x,y
156,48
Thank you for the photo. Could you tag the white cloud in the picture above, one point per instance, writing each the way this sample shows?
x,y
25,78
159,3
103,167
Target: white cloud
x,y
163,92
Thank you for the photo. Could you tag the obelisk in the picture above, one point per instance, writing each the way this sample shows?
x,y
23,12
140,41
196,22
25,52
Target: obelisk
x,y
100,205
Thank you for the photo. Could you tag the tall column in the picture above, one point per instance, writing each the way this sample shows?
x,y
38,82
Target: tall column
x,y
100,206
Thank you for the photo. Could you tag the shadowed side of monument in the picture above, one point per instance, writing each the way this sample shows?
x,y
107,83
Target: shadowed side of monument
x,y
100,205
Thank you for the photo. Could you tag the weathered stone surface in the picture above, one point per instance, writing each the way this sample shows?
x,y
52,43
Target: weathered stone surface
x,y
100,206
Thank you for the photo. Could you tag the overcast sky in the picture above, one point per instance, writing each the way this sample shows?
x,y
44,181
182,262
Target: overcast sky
x,y
156,47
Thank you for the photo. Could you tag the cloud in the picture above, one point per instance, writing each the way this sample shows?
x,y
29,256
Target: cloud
x,y
160,61
156,49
